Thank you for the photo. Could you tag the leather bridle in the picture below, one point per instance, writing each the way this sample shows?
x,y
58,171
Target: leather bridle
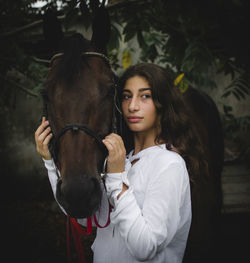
x,y
76,127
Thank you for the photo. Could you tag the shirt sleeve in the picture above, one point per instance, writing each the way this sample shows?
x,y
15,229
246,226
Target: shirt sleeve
x,y
114,184
52,175
149,230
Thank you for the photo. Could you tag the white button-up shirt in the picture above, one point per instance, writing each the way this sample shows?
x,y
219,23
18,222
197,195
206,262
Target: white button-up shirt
x,y
150,221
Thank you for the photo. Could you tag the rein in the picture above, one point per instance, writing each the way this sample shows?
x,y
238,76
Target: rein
x,y
73,228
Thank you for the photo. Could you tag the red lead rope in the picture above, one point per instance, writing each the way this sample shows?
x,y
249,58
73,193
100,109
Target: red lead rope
x,y
108,221
74,229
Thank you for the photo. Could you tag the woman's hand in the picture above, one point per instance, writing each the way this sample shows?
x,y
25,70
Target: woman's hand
x,y
42,137
117,153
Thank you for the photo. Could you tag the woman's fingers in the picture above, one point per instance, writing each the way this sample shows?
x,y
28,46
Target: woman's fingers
x,y
44,134
115,140
41,128
47,139
117,153
108,145
114,144
42,137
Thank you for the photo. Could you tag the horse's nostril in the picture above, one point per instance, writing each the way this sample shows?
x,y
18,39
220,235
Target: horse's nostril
x,y
80,197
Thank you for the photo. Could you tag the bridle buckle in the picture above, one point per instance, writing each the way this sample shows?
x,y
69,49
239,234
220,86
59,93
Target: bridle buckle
x,y
75,129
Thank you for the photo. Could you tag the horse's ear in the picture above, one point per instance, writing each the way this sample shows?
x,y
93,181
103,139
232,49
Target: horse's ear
x,y
52,31
101,29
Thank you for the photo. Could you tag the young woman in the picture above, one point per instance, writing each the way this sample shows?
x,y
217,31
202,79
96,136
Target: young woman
x,y
150,187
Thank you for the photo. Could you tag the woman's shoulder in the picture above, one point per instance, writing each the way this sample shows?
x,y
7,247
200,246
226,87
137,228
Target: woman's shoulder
x,y
157,156
164,163
162,156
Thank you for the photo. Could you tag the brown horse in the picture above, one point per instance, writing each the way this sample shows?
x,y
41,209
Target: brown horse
x,y
203,241
79,102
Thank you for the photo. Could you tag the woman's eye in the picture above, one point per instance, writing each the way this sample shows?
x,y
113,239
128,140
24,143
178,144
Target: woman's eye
x,y
125,96
146,96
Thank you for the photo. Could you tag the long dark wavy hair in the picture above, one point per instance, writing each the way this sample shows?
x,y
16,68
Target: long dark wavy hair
x,y
178,127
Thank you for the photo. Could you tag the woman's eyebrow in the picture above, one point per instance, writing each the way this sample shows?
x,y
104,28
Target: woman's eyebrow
x,y
140,90
144,89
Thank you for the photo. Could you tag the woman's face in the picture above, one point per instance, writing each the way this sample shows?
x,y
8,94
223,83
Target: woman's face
x,y
138,107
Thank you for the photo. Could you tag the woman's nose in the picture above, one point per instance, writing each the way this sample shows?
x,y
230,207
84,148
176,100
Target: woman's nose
x,y
134,105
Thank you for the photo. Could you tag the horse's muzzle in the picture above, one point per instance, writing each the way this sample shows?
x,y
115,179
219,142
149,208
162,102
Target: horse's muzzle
x,y
80,196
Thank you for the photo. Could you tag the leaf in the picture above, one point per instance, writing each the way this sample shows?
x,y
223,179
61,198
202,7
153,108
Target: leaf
x,y
245,90
235,94
239,92
115,37
226,94
129,31
239,87
140,39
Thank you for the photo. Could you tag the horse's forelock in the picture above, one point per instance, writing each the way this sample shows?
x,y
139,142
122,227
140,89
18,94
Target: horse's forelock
x,y
71,62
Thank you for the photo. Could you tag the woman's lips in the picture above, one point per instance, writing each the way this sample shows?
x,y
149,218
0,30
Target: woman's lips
x,y
134,119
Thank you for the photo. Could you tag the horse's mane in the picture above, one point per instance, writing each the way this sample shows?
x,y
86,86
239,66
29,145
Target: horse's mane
x,y
71,61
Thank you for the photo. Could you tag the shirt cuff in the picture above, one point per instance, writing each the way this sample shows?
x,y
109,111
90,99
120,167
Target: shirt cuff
x,y
114,184
49,164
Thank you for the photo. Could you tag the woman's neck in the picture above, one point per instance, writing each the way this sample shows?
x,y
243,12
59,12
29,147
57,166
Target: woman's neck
x,y
143,141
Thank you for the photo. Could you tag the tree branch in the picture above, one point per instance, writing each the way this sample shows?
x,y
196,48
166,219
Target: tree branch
x,y
40,60
123,3
26,27
29,92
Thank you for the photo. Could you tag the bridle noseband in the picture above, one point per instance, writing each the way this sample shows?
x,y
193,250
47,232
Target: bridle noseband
x,y
75,127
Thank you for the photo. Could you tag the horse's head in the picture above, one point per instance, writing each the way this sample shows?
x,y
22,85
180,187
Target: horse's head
x,y
79,90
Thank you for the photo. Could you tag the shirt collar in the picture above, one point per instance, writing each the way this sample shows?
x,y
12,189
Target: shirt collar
x,y
132,156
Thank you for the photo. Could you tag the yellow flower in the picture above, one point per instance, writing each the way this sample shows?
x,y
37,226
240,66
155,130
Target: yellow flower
x,y
181,83
126,59
178,79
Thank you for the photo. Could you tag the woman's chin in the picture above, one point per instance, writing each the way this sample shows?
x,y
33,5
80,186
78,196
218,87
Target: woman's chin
x,y
135,127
